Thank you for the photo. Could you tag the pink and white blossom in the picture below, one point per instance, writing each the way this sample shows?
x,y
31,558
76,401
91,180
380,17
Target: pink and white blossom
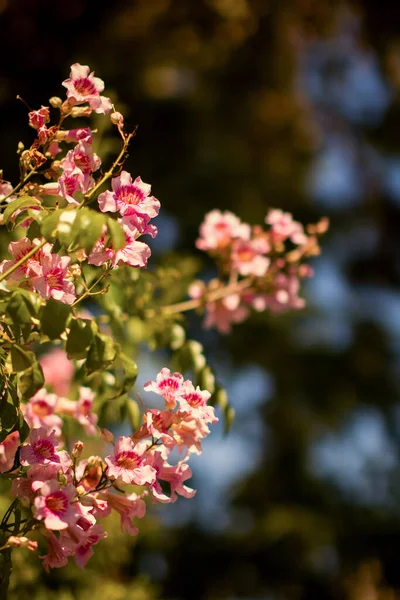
x,y
219,229
52,282
40,412
129,462
168,385
129,197
54,505
82,86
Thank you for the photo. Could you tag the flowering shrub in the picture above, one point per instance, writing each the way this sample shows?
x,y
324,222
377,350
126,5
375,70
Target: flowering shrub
x,y
67,372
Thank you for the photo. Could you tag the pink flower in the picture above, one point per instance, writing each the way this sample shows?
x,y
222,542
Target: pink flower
x,y
247,257
5,190
41,449
84,134
82,550
26,487
139,223
130,198
83,410
175,476
51,283
194,401
129,506
54,505
129,462
168,385
79,160
8,449
72,180
39,412
58,371
18,250
222,313
82,86
283,227
56,556
219,229
134,253
284,297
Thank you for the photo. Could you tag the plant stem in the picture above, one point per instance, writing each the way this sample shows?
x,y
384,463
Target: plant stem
x,y
21,261
211,296
109,173
87,292
18,187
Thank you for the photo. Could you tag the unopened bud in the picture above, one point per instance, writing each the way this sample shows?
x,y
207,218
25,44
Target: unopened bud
x,y
61,478
117,118
81,111
77,450
20,147
55,165
55,102
107,436
94,460
80,490
75,271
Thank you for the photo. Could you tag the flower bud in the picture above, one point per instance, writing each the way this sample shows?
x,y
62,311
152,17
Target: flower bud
x,y
61,478
55,102
77,450
75,271
81,111
107,436
117,118
20,147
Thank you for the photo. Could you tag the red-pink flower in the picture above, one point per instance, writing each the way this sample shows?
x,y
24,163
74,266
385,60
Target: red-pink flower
x,y
18,250
222,313
129,198
52,283
8,448
194,401
82,86
56,556
219,229
174,475
40,412
54,505
283,227
129,506
41,447
83,410
134,253
129,462
82,550
26,487
168,385
247,257
84,134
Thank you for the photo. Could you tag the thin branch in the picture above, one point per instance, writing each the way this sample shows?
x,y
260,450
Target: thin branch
x,y
208,297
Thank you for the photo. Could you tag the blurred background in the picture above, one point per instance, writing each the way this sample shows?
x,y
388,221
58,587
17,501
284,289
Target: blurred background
x,y
245,105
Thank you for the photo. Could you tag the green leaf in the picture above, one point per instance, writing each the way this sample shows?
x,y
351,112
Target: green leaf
x,y
8,416
50,225
54,318
101,354
116,234
88,228
207,379
30,381
20,359
21,203
23,305
81,332
130,372
130,411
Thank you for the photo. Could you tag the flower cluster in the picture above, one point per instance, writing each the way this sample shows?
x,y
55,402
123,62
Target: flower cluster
x,y
260,269
68,496
71,181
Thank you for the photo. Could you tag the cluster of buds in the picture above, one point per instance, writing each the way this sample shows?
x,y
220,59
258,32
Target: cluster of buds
x,y
259,268
68,495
